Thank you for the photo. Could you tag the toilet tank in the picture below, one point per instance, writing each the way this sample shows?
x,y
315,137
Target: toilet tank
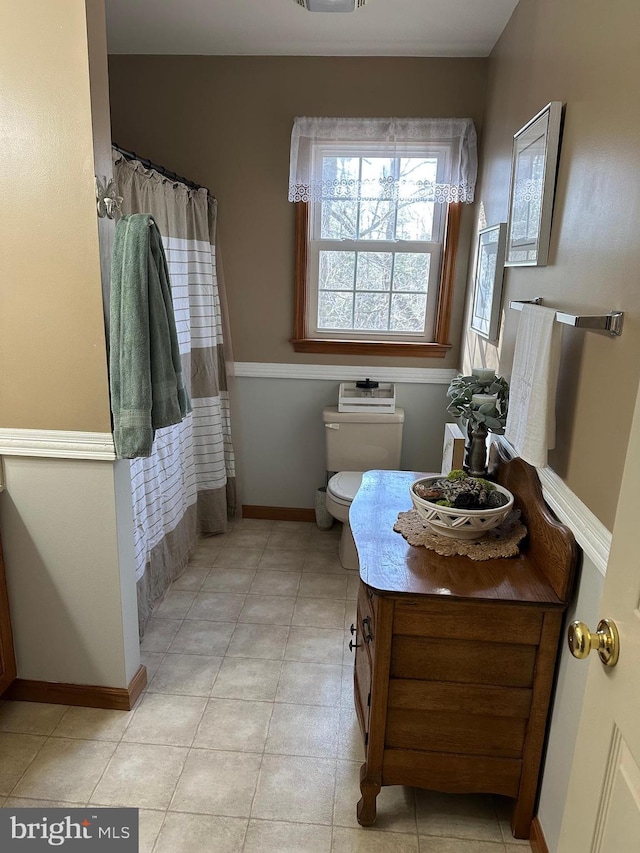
x,y
361,441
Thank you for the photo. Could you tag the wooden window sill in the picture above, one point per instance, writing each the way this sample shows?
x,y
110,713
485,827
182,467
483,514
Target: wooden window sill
x,y
386,348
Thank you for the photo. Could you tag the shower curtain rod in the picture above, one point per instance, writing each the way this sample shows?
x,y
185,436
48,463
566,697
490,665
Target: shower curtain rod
x,y
131,155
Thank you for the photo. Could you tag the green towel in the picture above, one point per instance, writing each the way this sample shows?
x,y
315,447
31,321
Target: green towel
x,y
147,386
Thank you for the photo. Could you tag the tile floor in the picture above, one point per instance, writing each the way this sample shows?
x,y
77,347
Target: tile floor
x,y
247,721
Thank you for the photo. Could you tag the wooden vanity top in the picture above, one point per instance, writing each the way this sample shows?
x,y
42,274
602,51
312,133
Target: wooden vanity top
x,y
541,574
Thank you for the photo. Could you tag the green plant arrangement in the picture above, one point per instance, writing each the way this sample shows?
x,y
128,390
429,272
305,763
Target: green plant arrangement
x,y
482,402
491,413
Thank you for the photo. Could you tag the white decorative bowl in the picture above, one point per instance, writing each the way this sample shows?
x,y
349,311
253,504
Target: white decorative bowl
x,y
458,523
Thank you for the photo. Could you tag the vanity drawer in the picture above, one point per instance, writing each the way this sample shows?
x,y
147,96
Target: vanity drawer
x,y
457,621
440,697
472,719
462,734
463,661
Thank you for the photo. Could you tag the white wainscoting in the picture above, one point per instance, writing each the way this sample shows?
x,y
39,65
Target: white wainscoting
x,y
280,434
67,536
590,533
58,444
279,408
285,421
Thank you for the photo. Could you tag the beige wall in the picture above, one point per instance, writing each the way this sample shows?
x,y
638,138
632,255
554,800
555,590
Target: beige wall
x,y
587,56
52,347
226,123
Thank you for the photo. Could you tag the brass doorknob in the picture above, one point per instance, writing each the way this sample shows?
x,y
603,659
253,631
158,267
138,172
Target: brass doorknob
x,y
606,641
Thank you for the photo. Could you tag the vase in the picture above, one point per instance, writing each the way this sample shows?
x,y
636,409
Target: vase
x,y
475,451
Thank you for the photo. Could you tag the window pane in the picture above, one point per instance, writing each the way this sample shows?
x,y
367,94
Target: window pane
x,y
377,177
417,174
337,270
408,312
339,220
335,310
374,271
411,272
415,220
372,311
377,220
340,169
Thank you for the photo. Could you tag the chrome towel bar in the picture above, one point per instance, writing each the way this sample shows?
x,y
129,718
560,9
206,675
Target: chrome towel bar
x,y
611,322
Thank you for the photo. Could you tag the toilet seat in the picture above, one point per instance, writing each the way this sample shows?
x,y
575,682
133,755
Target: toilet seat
x,y
343,486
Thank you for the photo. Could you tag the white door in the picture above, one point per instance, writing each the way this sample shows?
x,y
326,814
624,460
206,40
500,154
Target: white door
x,y
602,814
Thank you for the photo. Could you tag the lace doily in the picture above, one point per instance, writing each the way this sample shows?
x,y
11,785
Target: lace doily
x,y
502,541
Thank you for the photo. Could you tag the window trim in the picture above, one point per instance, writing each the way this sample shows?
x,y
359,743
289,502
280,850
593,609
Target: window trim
x,y
438,348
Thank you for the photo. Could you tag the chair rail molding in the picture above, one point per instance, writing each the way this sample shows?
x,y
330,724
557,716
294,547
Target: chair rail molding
x,y
343,373
590,533
57,444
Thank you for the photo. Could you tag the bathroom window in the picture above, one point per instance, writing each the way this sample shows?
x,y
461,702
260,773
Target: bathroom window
x,y
378,204
374,262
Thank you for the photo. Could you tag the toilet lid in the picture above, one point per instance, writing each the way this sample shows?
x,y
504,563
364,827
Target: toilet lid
x,y
345,484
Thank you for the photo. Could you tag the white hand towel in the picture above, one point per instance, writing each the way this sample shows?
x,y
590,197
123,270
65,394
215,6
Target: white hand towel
x,y
531,421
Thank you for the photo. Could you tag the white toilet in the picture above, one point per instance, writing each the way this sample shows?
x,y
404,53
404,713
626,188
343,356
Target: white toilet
x,y
357,442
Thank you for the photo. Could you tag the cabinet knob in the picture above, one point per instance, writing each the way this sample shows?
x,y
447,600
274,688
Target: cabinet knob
x,y
352,628
353,645
605,641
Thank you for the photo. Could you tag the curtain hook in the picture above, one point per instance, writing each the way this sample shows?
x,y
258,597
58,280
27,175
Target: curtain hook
x,y
108,202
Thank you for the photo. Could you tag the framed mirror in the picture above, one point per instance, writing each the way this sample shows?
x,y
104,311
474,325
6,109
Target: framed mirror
x,y
533,176
487,290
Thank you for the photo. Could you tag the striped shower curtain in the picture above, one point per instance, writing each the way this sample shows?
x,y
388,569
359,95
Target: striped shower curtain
x,y
187,485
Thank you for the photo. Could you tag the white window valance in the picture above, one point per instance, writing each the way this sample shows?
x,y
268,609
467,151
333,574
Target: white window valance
x,y
454,140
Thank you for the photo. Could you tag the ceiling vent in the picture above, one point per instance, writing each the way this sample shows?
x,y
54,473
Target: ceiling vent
x,y
331,5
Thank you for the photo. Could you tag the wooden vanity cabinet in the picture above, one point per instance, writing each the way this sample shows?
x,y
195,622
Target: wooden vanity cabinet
x,y
455,659
7,658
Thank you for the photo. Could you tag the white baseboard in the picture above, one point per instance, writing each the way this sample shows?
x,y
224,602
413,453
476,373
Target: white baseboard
x,y
590,533
57,444
343,373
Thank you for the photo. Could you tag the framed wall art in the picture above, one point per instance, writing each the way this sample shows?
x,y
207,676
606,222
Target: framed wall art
x,y
487,290
533,176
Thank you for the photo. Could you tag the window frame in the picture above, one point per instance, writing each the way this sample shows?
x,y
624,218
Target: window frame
x,y
307,339
347,344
